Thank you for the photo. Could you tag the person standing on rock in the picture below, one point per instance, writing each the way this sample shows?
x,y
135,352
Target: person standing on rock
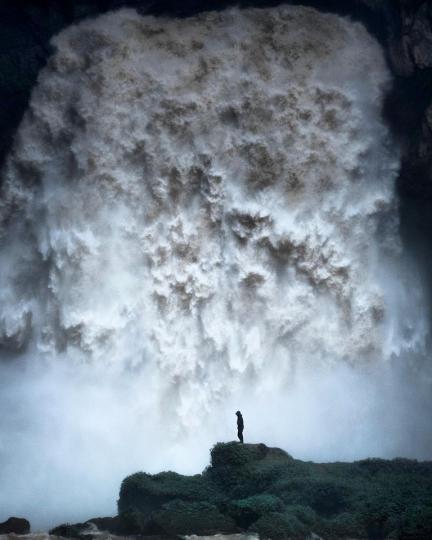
x,y
240,426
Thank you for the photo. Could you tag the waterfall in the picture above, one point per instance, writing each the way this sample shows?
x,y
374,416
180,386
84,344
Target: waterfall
x,y
200,216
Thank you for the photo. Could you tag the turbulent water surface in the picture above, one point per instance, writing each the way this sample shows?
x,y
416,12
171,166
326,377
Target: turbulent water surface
x,y
199,215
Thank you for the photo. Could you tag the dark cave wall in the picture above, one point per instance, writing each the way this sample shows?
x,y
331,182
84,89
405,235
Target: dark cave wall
x,y
408,110
404,27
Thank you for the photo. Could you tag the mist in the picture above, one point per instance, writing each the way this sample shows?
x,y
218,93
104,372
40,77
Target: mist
x,y
71,436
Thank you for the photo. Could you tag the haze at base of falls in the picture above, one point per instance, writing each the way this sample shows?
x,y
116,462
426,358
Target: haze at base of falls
x,y
198,216
83,433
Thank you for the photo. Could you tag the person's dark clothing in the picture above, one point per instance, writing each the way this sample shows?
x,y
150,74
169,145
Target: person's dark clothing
x,y
240,426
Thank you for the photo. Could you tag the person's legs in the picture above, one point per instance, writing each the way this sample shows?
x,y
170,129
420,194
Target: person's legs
x,y
240,435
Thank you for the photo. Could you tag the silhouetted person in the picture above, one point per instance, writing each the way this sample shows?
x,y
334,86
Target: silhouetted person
x,y
240,426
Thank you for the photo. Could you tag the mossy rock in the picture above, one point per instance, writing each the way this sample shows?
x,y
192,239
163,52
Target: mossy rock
x,y
327,498
133,523
305,514
201,518
247,511
280,526
237,454
144,492
345,525
256,488
377,466
244,470
416,522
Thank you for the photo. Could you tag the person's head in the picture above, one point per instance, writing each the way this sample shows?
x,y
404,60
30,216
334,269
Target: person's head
x,y
238,413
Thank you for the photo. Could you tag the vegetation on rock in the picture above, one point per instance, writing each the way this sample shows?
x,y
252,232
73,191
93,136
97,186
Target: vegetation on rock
x,y
259,489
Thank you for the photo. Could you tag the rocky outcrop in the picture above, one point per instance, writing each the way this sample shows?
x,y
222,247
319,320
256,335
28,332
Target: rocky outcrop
x,y
409,107
409,112
15,525
255,489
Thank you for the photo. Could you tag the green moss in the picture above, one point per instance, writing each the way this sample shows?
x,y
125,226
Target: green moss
x,y
325,496
416,522
179,517
304,514
280,526
253,487
144,492
243,470
247,511
236,454
345,525
133,522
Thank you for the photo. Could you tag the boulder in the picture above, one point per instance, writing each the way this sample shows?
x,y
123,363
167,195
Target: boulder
x,y
15,525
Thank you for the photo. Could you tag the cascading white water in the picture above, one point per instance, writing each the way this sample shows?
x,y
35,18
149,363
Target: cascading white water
x,y
199,215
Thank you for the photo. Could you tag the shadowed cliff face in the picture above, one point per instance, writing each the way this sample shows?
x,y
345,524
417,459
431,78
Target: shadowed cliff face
x,y
409,113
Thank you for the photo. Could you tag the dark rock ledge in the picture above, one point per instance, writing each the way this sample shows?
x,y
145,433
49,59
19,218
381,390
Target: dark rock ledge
x,y
15,525
251,488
